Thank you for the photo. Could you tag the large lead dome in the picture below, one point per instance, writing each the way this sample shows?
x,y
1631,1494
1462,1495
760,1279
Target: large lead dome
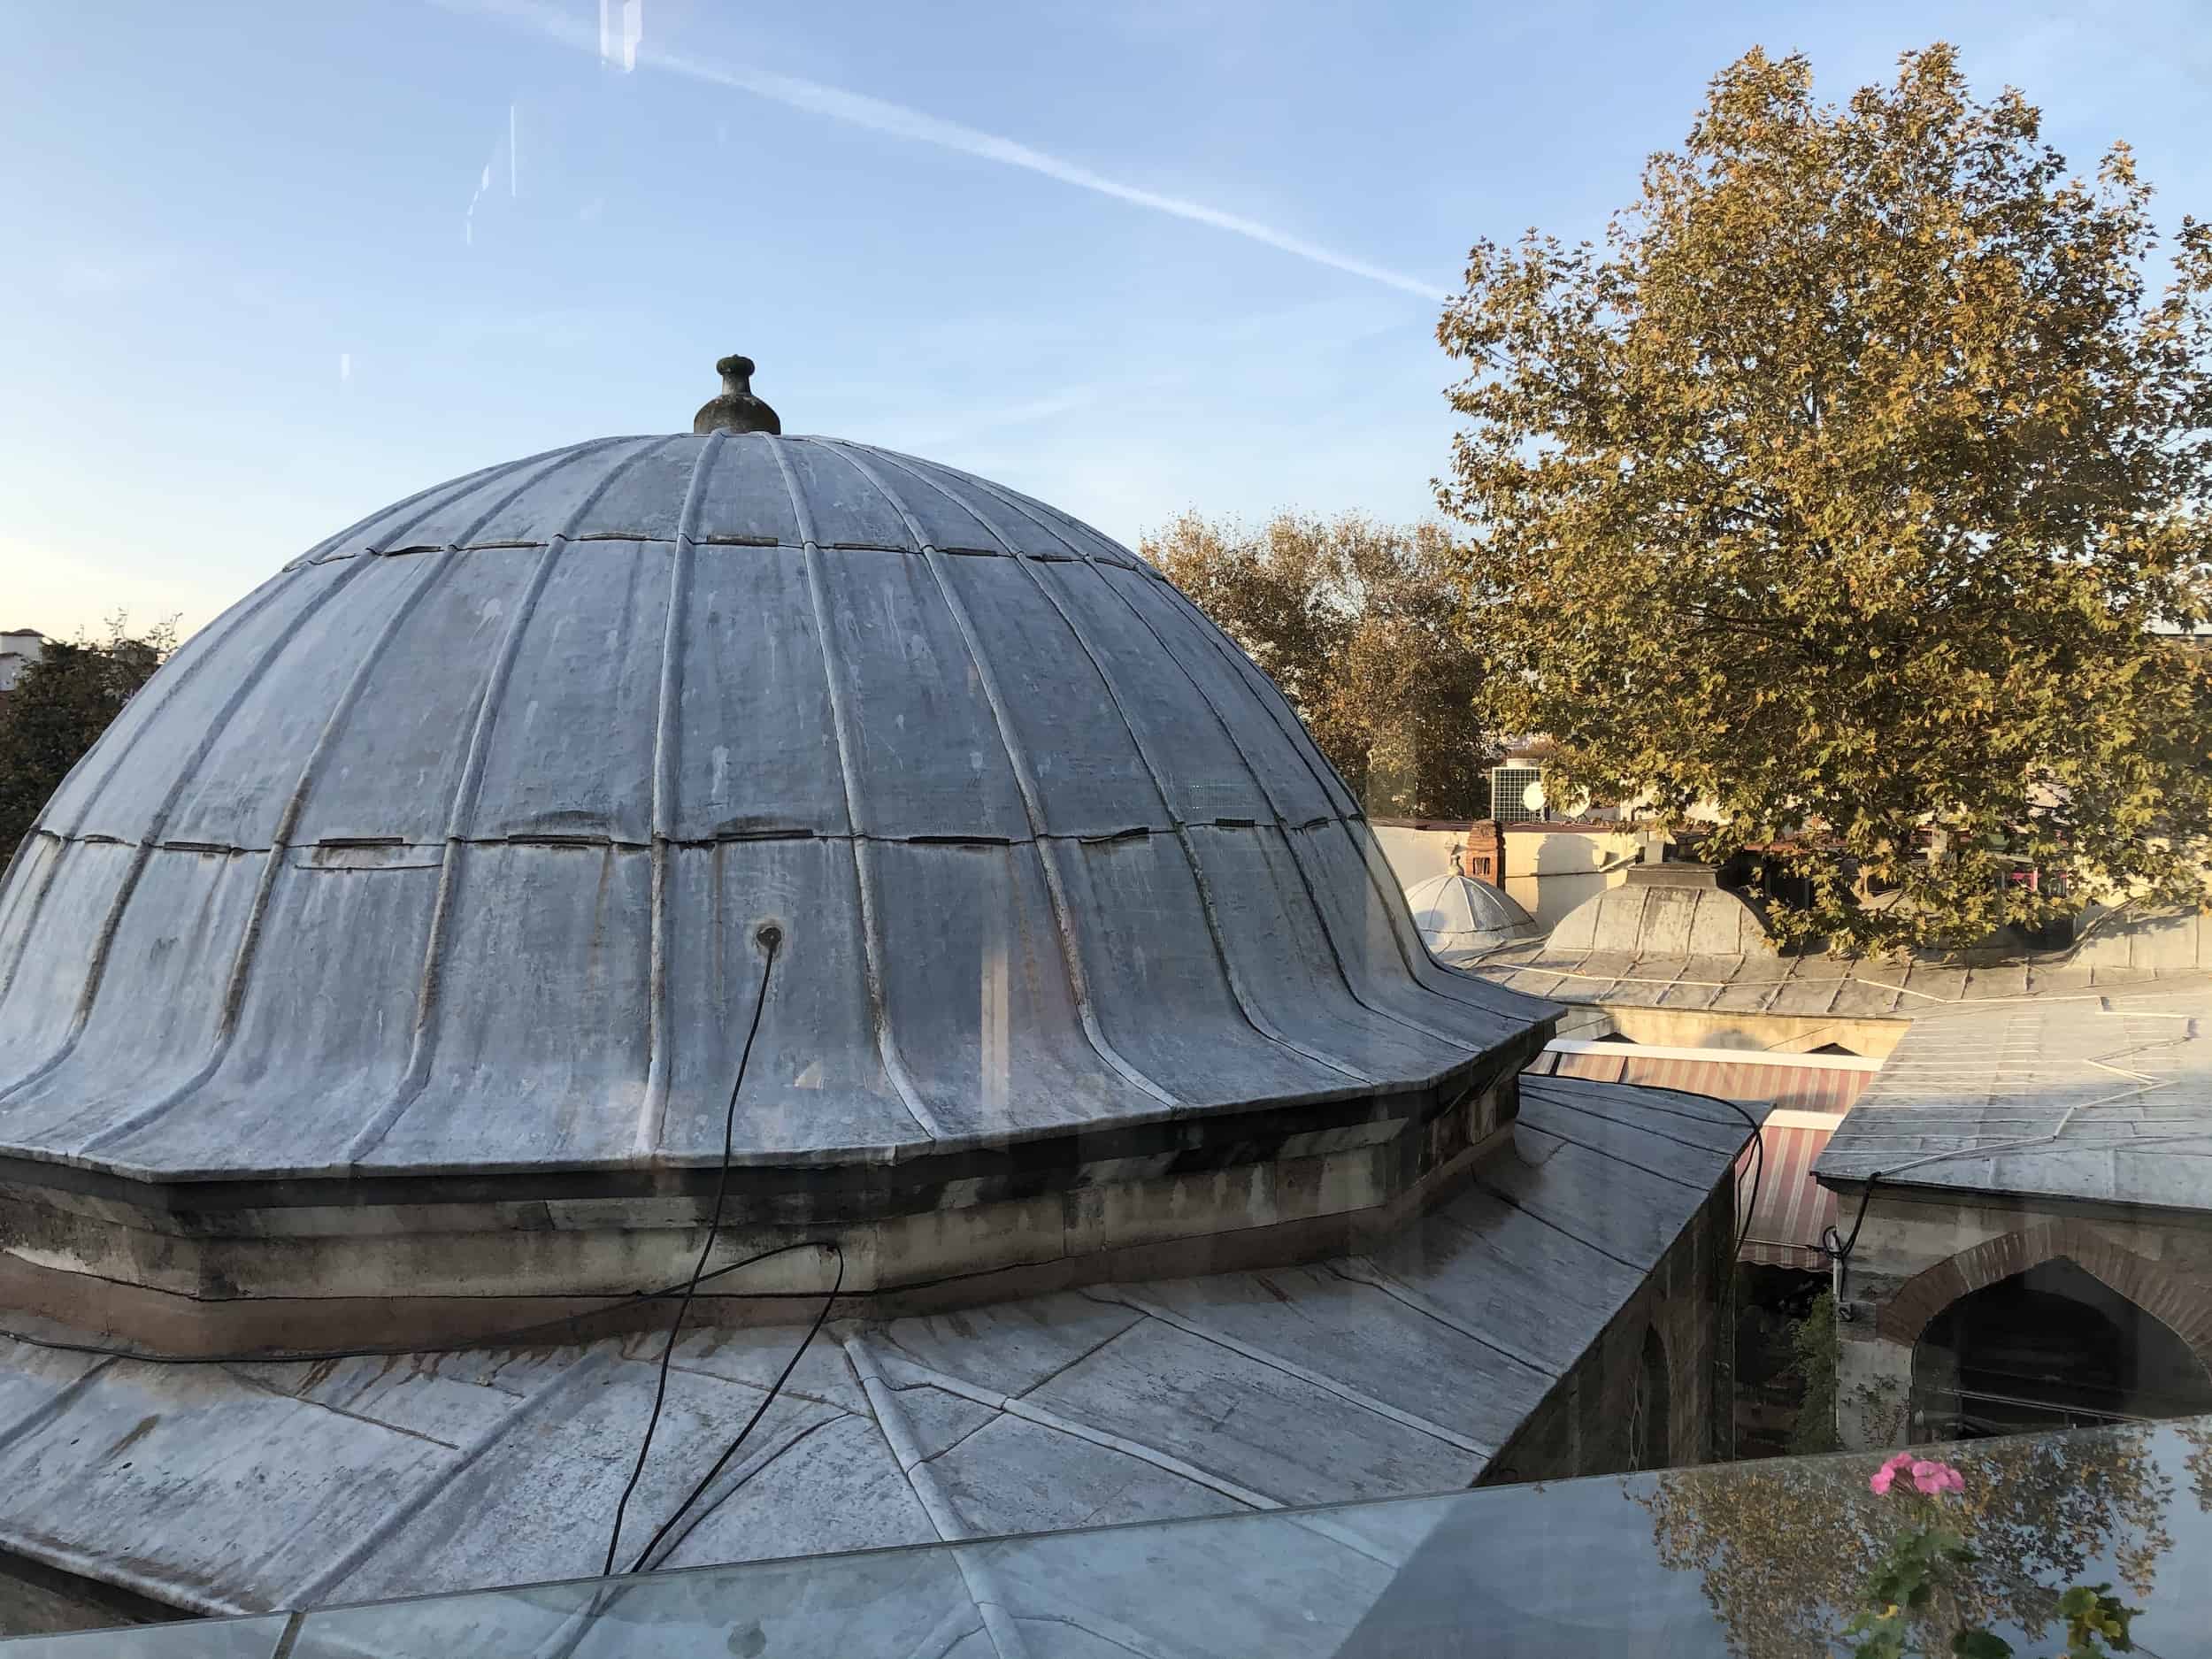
x,y
448,849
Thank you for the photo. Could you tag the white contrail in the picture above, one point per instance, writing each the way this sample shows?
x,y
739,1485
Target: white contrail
x,y
858,109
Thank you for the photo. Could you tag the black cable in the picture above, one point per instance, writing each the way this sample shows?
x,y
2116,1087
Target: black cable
x,y
1758,1164
1758,1169
514,1336
1758,1174
760,1411
567,1323
770,937
1758,1180
1837,1249
605,1595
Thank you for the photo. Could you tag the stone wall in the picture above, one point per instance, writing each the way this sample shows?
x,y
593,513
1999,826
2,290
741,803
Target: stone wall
x,y
1316,1184
1919,1253
1582,1426
2157,942
1418,851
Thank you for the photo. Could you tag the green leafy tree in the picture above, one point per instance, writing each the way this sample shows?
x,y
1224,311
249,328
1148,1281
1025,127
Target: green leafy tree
x,y
1359,623
1842,488
1813,1352
59,707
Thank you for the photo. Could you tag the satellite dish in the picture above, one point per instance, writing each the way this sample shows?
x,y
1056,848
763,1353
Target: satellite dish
x,y
1533,797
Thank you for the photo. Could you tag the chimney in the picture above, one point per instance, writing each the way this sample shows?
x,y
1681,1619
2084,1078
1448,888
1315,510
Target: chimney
x,y
1480,855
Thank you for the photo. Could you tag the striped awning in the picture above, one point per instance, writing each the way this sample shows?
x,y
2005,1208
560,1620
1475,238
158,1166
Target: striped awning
x,y
1790,1210
1799,1082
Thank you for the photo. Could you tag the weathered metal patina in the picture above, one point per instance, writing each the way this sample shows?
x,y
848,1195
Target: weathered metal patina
x,y
399,939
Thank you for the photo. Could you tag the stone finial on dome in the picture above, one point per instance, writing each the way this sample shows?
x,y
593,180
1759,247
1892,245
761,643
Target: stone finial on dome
x,y
737,410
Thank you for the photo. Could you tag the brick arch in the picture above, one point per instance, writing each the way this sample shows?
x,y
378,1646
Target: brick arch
x,y
2184,1307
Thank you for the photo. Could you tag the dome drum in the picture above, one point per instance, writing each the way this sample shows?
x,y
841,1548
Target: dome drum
x,y
231,1266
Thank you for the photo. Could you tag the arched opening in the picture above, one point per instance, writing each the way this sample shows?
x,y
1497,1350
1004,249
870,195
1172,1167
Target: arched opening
x,y
2050,1348
1649,1442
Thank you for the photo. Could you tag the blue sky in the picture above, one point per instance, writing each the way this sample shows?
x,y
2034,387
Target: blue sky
x,y
273,265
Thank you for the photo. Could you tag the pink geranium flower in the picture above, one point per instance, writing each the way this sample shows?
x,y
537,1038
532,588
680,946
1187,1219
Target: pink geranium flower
x,y
1934,1478
1888,1472
1931,1478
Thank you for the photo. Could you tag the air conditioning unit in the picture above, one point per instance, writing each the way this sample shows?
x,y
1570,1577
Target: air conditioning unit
x,y
1517,793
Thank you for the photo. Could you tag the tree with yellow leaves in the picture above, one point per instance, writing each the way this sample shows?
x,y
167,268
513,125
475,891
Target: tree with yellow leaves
x,y
1359,623
1853,487
1789,1549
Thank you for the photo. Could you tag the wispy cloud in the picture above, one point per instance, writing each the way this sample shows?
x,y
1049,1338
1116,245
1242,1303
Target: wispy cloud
x,y
897,121
503,147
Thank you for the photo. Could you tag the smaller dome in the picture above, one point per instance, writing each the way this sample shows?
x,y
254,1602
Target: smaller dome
x,y
1669,910
1459,913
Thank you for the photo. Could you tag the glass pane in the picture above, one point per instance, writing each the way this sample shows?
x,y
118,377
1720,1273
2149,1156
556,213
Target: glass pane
x,y
958,1043
1772,1558
885,1602
199,1638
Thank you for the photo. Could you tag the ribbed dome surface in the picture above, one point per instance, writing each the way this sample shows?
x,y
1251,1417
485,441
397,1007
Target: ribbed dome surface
x,y
1456,912
447,848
